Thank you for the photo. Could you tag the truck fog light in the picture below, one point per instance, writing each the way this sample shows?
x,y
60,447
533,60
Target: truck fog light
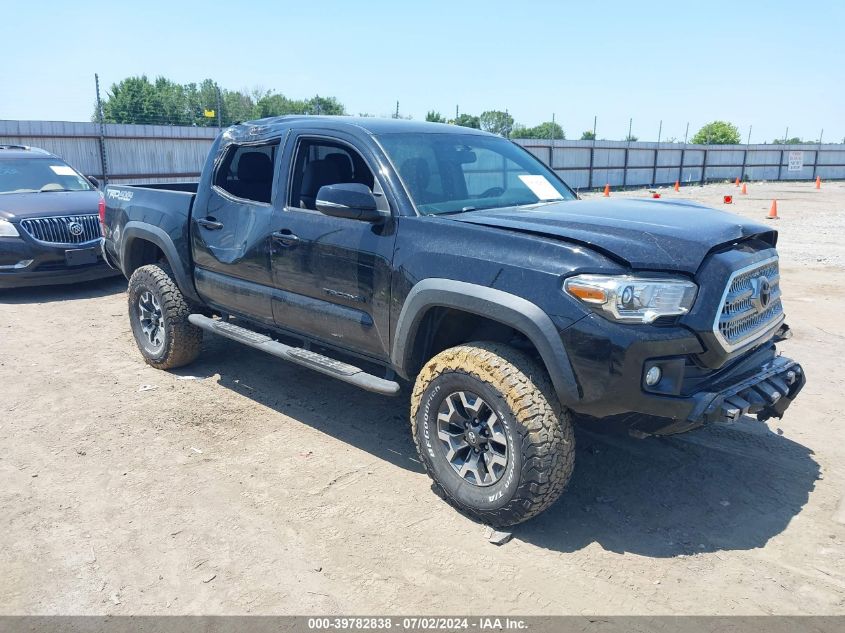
x,y
653,376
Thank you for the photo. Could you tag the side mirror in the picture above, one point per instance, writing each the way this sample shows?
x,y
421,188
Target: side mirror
x,y
93,181
349,200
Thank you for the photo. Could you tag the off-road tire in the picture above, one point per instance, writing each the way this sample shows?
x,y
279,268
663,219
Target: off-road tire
x,y
182,340
542,442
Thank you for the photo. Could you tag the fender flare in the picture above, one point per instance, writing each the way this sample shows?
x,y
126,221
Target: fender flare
x,y
141,230
508,309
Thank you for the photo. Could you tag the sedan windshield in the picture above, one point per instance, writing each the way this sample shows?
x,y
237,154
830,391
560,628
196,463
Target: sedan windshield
x,y
33,175
452,173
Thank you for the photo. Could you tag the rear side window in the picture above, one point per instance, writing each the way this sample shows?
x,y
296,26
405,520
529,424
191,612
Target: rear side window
x,y
246,171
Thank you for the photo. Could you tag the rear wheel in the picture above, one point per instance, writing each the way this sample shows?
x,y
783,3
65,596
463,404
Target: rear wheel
x,y
158,314
491,433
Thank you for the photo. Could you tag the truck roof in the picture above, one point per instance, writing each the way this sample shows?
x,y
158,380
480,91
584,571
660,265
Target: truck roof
x,y
273,126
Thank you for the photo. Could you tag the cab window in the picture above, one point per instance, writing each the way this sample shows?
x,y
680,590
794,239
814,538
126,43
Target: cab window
x,y
319,163
246,171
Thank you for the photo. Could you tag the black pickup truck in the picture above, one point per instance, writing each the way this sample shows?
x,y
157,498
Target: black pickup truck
x,y
388,252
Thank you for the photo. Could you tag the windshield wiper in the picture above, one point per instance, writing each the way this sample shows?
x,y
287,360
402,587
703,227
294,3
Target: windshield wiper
x,y
456,211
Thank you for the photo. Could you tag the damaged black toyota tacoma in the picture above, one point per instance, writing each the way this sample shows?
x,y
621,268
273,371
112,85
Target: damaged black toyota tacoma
x,y
389,252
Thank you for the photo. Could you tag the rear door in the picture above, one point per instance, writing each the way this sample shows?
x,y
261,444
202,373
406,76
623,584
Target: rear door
x,y
230,231
332,274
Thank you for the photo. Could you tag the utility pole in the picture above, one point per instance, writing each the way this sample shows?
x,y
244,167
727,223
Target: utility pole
x,y
786,134
552,131
630,127
595,123
686,133
396,116
750,127
104,163
456,113
818,153
219,113
659,131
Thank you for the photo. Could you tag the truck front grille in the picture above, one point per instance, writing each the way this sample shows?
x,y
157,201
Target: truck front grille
x,y
751,305
67,229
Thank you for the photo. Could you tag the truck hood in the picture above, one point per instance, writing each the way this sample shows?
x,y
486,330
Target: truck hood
x,y
20,206
645,234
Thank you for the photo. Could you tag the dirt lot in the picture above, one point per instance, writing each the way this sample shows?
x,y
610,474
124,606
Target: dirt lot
x,y
242,484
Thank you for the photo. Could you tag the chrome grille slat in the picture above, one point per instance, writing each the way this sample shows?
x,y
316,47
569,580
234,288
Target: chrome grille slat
x,y
740,321
55,230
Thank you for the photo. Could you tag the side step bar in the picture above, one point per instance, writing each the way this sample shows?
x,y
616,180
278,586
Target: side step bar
x,y
323,364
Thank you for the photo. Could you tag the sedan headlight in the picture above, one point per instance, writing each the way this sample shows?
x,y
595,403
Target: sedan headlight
x,y
632,299
7,229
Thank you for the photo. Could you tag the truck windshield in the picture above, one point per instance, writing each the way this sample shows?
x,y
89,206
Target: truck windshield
x,y
31,175
452,173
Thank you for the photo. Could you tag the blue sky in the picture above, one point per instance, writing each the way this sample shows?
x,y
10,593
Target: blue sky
x,y
767,64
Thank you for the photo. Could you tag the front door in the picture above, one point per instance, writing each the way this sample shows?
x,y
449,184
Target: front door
x,y
230,232
332,274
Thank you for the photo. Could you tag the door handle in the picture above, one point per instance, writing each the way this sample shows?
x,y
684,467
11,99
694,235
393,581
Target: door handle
x,y
209,223
285,237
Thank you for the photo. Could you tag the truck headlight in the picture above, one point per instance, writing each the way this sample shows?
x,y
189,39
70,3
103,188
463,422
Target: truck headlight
x,y
7,229
632,299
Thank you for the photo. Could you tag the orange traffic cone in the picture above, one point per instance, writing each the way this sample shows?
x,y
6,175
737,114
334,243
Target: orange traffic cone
x,y
744,189
818,182
677,186
607,190
773,212
737,181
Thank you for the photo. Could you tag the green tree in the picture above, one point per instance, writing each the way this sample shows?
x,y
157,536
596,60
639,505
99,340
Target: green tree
x,y
497,122
170,99
133,100
137,100
549,129
717,133
788,141
237,106
323,105
589,135
631,138
434,117
468,120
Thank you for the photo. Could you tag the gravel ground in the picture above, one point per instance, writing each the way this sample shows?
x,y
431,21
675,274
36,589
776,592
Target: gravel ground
x,y
242,484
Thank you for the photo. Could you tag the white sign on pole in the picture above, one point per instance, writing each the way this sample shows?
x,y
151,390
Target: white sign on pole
x,y
796,161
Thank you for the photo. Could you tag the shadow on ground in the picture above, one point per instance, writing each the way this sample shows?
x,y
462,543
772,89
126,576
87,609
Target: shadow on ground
x,y
718,488
64,292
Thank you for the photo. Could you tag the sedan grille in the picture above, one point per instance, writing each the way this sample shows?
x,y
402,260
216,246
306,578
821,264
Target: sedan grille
x,y
751,305
67,229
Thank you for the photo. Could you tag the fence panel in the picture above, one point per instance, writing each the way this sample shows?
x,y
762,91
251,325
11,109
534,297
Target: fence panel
x,y
160,153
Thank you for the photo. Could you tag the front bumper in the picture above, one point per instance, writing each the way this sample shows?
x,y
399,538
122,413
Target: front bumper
x,y
609,362
24,262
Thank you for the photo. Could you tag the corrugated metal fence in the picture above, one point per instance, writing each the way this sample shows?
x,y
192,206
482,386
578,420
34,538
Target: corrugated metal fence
x,y
589,164
150,153
133,153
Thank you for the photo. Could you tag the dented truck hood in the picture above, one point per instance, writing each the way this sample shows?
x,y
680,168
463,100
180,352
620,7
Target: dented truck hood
x,y
646,234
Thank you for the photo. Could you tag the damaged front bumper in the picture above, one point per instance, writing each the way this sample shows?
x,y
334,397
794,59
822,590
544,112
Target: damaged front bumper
x,y
766,395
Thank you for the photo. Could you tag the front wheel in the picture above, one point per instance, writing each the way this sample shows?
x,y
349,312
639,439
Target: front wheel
x,y
158,313
491,433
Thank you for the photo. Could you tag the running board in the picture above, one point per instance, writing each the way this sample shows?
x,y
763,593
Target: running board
x,y
323,364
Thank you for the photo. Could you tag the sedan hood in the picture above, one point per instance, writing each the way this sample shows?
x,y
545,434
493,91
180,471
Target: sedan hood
x,y
645,234
20,206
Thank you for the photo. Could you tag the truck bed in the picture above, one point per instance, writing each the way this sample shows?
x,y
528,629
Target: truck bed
x,y
162,211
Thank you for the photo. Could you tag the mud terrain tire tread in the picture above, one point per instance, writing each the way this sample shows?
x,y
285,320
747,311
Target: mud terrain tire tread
x,y
183,340
544,427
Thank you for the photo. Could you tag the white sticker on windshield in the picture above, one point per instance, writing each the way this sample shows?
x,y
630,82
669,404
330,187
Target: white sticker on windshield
x,y
541,187
62,170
